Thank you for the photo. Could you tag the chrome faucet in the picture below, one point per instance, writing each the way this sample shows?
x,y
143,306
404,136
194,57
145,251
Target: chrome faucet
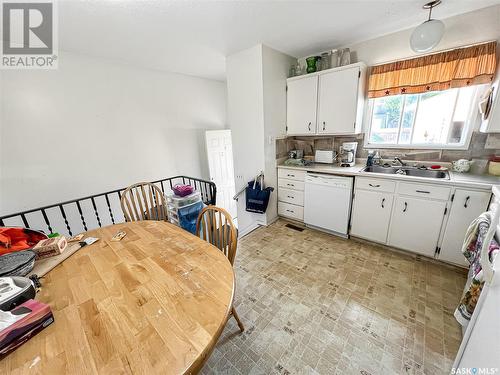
x,y
396,159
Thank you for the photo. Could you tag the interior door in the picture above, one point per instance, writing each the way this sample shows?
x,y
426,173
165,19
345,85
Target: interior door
x,y
467,205
338,101
416,224
220,164
301,105
371,215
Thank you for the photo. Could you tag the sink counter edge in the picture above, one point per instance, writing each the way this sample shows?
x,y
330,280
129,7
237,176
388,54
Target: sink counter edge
x,y
484,182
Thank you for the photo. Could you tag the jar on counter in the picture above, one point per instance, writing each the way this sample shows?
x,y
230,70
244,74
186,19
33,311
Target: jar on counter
x,y
494,166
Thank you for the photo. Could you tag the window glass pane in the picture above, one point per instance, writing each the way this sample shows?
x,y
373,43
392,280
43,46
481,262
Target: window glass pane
x,y
437,118
385,120
410,107
434,116
457,130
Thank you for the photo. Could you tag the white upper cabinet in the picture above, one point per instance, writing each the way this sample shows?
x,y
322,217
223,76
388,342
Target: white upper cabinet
x,y
416,224
466,206
301,105
491,124
326,102
338,101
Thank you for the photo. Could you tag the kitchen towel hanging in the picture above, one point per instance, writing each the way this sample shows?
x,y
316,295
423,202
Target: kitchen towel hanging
x,y
257,197
472,248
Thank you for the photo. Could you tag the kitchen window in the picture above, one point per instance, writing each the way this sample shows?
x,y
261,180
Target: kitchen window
x,y
436,119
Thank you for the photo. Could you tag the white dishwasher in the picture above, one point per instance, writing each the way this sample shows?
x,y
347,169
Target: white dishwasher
x,y
327,202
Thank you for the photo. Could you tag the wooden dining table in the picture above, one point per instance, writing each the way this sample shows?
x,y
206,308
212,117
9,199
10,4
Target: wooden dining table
x,y
154,302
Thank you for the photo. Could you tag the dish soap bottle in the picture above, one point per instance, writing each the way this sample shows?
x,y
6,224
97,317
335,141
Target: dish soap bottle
x,y
369,159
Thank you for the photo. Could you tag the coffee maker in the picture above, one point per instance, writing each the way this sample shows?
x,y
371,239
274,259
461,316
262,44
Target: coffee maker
x,y
348,154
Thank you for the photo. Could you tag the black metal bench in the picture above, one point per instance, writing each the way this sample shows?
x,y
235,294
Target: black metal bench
x,y
87,213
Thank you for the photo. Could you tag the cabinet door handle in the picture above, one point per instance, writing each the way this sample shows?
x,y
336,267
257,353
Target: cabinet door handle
x,y
290,185
423,191
289,196
406,207
290,175
382,204
466,202
374,185
309,126
324,125
290,211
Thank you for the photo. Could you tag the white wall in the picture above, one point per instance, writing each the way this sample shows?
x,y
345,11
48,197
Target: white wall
x,y
276,66
95,125
478,26
245,115
256,88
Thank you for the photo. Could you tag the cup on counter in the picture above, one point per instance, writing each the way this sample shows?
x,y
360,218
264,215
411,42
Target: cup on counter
x,y
461,166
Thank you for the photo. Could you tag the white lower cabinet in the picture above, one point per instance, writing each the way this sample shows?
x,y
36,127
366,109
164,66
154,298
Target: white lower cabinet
x,y
416,224
291,210
291,193
466,206
371,215
424,218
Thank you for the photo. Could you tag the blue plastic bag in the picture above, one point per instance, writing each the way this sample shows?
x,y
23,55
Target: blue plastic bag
x,y
189,215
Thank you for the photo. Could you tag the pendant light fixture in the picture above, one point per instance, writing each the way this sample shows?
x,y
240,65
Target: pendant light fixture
x,y
427,35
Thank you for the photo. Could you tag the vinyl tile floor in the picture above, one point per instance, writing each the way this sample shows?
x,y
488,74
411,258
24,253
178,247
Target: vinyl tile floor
x,y
313,303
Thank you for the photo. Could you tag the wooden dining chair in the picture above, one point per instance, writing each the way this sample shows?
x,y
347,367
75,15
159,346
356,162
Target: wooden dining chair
x,y
143,201
215,225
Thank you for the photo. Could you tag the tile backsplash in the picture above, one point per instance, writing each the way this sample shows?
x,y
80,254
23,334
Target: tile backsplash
x,y
482,146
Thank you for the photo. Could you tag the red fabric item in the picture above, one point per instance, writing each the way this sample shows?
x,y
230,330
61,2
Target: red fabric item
x,y
17,239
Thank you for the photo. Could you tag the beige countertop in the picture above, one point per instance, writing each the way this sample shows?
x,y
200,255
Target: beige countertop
x,y
456,179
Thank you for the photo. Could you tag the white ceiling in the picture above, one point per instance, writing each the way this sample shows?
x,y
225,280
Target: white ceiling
x,y
194,37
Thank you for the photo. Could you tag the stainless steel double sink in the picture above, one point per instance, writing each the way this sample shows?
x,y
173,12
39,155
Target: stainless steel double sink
x,y
408,171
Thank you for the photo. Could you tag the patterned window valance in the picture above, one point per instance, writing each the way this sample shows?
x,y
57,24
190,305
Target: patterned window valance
x,y
440,71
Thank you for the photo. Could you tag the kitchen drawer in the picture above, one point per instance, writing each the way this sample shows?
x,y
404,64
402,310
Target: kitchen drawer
x,y
291,196
292,174
375,184
291,184
291,210
424,191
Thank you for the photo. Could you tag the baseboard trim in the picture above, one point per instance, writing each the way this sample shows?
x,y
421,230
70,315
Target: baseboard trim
x,y
247,230
274,219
